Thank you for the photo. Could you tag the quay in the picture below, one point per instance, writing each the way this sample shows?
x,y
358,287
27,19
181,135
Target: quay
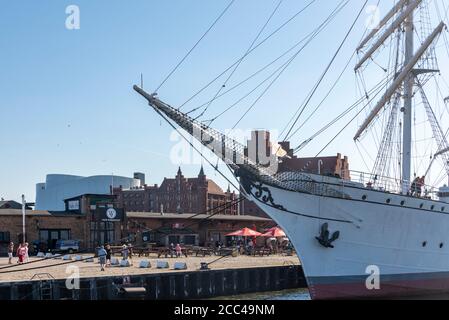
x,y
229,276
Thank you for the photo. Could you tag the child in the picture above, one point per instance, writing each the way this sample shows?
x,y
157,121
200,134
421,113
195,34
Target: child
x,y
10,252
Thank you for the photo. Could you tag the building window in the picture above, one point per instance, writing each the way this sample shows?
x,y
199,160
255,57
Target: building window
x,y
5,236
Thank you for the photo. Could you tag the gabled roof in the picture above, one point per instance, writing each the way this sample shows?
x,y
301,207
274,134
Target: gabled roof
x,y
10,204
214,188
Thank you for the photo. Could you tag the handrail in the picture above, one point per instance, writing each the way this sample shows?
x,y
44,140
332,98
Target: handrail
x,y
389,184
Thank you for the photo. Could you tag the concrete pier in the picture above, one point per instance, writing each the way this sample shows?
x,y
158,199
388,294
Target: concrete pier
x,y
164,286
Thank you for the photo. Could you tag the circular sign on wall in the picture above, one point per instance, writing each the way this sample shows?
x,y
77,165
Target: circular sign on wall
x,y
111,213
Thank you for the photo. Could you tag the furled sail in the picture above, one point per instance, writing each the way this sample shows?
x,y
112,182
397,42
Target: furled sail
x,y
399,80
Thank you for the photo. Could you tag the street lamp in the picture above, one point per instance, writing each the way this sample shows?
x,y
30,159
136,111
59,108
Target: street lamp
x,y
23,217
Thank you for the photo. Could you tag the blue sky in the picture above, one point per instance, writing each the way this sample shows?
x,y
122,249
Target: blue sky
x,y
67,104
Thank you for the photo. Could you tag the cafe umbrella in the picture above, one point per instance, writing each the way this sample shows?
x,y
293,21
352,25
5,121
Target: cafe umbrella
x,y
275,232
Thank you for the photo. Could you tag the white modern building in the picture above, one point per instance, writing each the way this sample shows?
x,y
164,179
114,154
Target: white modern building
x,y
58,187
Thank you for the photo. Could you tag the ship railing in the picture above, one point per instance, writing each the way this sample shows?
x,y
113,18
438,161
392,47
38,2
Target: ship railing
x,y
389,185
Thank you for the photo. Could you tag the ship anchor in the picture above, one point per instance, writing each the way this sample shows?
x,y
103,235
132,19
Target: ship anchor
x,y
324,239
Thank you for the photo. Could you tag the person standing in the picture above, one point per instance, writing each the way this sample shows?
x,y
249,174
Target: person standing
x,y
421,184
108,255
178,250
172,249
130,253
21,253
102,257
10,252
26,257
125,252
414,187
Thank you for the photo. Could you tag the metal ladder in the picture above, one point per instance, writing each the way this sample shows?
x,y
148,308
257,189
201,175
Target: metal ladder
x,y
45,285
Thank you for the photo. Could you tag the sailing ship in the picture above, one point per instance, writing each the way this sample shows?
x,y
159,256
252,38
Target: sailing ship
x,y
347,232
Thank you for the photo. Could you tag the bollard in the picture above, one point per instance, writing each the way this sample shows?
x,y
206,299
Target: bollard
x,y
145,264
124,263
180,266
162,264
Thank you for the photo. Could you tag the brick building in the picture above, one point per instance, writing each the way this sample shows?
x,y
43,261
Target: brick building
x,y
179,195
40,225
261,146
333,165
10,204
84,219
189,229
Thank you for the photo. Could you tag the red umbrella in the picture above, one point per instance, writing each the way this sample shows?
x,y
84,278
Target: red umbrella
x,y
274,232
245,232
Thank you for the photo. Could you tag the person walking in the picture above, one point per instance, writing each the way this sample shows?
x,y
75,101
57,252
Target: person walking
x,y
10,252
102,257
108,255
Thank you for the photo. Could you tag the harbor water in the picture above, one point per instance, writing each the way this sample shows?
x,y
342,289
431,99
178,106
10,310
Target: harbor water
x,y
291,294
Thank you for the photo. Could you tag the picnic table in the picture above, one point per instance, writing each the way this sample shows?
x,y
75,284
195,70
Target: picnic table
x,y
224,252
199,251
164,251
142,251
261,251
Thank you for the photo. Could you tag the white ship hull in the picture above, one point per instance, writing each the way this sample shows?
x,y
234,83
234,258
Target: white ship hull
x,y
406,238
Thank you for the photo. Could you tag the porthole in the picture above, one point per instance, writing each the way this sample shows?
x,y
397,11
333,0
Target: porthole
x,y
424,243
364,197
442,209
441,245
402,202
432,207
421,205
388,201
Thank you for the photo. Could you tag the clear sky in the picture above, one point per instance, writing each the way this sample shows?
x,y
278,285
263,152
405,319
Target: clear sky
x,y
66,99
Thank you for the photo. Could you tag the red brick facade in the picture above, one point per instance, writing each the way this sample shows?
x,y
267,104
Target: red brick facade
x,y
180,195
38,221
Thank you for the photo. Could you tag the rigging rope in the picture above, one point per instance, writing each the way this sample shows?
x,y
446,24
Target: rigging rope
x,y
339,117
241,59
302,108
195,45
311,34
284,68
254,48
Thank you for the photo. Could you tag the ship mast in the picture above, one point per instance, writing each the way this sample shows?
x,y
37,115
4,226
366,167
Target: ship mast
x,y
404,81
408,105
